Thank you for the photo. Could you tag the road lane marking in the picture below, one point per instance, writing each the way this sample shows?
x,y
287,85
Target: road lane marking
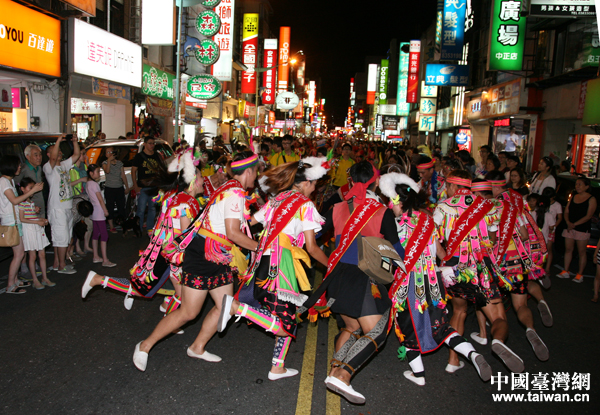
x,y
333,406
307,374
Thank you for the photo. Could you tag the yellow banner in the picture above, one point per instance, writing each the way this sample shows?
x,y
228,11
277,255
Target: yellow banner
x,y
250,25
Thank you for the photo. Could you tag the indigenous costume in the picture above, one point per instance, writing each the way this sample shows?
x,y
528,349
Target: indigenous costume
x,y
419,312
516,257
464,221
433,187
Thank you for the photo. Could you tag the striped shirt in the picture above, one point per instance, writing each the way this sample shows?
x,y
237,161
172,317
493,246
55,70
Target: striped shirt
x,y
28,209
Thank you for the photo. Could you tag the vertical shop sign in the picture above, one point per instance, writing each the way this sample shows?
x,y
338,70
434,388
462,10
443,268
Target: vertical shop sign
x,y
283,74
224,39
383,81
249,51
453,29
402,107
413,71
507,36
371,83
269,61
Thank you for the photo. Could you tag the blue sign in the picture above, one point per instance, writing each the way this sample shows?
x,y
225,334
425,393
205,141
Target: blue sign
x,y
441,74
462,138
453,29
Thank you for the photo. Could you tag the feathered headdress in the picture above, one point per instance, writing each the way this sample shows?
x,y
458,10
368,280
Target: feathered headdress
x,y
183,162
388,182
262,182
318,169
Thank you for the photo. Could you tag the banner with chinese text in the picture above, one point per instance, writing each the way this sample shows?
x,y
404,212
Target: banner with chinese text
x,y
224,39
249,51
413,71
453,29
269,61
402,107
283,74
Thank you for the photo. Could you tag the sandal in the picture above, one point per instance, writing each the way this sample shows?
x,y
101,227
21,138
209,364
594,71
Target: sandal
x,y
15,289
23,284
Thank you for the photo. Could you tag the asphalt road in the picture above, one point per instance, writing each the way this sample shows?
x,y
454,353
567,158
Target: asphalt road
x,y
62,354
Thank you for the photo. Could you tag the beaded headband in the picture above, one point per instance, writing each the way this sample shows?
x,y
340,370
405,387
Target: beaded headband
x,y
481,186
497,183
244,163
459,181
428,165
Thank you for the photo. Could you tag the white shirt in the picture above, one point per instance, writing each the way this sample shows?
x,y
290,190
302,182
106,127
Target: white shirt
x,y
549,220
61,193
232,207
538,186
7,208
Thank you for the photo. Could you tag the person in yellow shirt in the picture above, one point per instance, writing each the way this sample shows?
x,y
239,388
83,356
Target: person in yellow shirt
x,y
338,174
287,155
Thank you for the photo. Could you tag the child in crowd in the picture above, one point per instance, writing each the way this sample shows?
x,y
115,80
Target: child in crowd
x,y
98,216
540,212
34,235
556,211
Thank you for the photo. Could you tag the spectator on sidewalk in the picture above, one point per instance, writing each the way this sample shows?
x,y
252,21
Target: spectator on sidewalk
x,y
60,201
32,169
145,167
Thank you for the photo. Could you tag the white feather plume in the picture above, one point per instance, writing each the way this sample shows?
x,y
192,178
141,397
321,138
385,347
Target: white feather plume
x,y
316,171
184,162
262,182
388,182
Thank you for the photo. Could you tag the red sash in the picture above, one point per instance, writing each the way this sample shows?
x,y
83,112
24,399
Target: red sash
x,y
467,221
284,213
357,220
345,189
510,211
209,188
537,231
414,248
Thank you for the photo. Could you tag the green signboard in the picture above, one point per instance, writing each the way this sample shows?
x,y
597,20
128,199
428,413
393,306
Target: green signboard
x,y
507,36
207,52
204,86
208,23
157,83
591,111
383,81
210,3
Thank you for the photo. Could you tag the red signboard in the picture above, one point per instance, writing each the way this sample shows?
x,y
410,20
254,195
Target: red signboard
x,y
502,123
249,51
413,71
269,61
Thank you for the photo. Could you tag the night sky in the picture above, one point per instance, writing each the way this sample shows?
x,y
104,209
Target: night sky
x,y
336,36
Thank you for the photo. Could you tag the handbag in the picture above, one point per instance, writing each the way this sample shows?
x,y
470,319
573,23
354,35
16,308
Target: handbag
x,y
377,257
9,235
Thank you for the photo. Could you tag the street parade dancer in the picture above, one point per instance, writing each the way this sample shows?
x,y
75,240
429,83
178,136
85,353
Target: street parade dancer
x,y
468,225
419,312
520,252
271,289
210,258
216,179
178,186
362,303
431,181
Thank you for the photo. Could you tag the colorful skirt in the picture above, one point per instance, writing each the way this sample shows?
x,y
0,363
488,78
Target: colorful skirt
x,y
201,274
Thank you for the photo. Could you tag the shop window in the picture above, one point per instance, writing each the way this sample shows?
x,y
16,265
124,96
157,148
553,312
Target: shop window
x,y
582,47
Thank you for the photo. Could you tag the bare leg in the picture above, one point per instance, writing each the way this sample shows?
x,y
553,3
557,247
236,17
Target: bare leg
x,y
596,284
95,249
496,314
62,253
56,264
549,257
111,225
15,264
581,250
523,312
481,321
569,246
209,325
86,241
535,290
42,255
103,249
191,305
36,282
457,321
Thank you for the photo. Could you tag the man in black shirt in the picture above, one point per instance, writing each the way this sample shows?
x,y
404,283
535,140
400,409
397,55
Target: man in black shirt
x,y
145,166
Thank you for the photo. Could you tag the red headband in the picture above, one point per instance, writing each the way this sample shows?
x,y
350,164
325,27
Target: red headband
x,y
359,190
459,181
428,165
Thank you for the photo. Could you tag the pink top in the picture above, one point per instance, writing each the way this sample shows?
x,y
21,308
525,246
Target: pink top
x,y
92,188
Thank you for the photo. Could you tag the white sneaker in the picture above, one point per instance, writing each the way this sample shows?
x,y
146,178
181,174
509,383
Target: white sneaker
x,y
209,357
85,289
225,312
453,368
287,374
414,379
481,340
140,359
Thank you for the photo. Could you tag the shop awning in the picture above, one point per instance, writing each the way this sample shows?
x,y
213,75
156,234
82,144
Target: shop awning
x,y
579,75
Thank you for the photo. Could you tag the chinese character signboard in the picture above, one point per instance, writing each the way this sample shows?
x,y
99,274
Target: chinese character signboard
x,y
428,90
390,122
207,52
562,8
498,101
426,122
507,36
453,29
224,39
249,52
413,71
29,40
590,49
110,89
269,61
428,106
204,86
371,83
402,107
446,75
96,52
283,75
383,81
208,23
157,83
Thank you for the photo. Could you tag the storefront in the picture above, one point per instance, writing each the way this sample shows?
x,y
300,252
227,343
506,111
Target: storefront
x,y
30,60
103,68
